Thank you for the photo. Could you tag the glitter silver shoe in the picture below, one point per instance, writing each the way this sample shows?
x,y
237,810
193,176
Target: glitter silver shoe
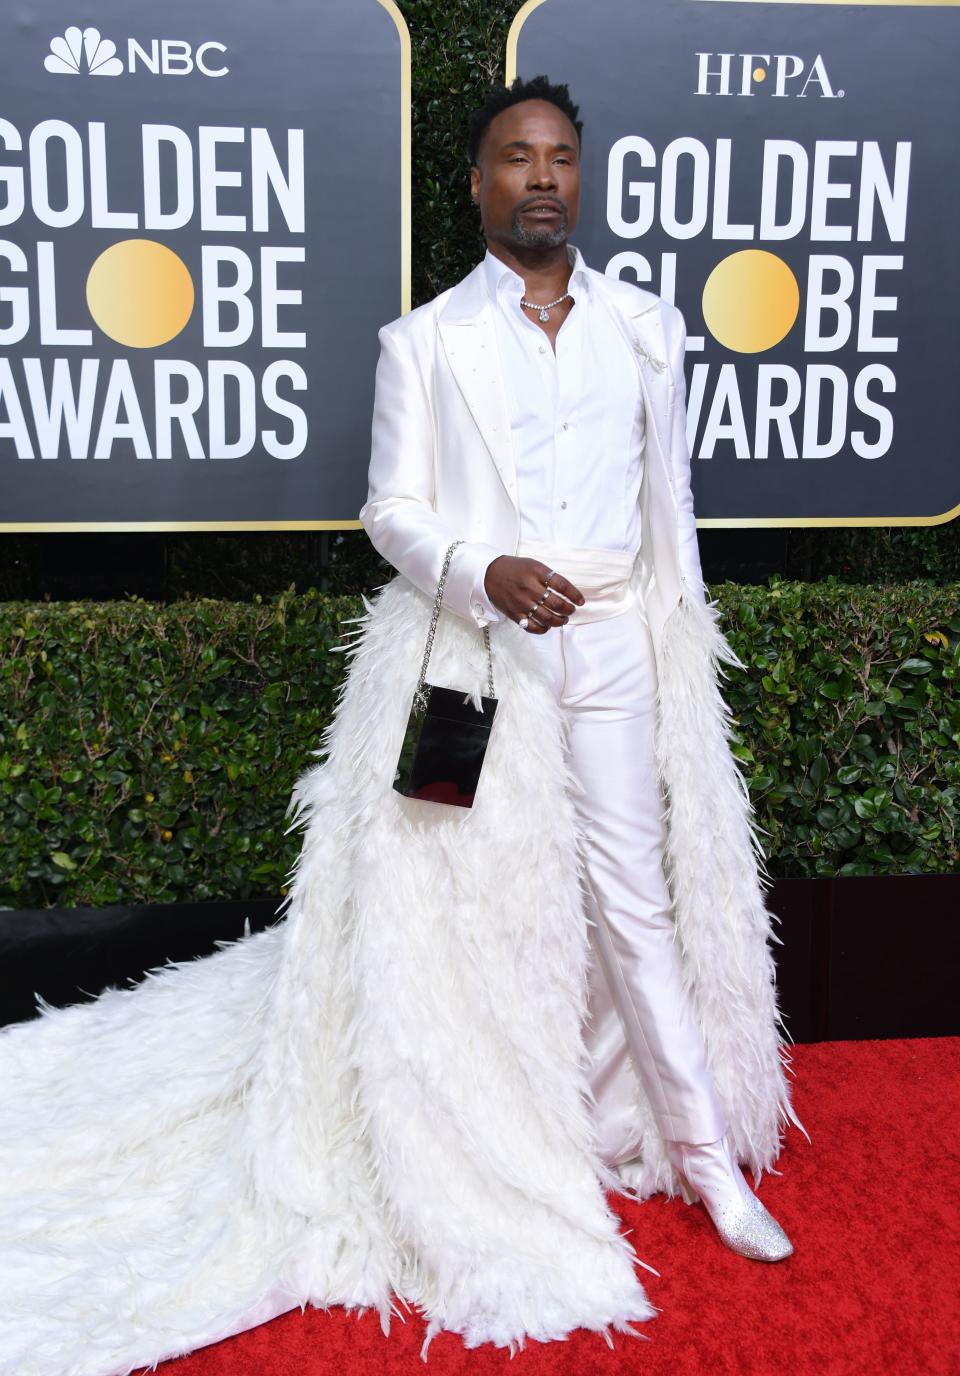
x,y
708,1171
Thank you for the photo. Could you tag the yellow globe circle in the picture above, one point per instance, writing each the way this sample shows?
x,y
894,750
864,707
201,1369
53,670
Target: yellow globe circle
x,y
750,301
140,293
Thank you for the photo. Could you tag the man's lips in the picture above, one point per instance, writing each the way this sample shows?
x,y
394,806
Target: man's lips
x,y
542,208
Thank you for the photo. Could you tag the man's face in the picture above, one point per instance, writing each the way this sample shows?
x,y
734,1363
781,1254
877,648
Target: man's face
x,y
527,184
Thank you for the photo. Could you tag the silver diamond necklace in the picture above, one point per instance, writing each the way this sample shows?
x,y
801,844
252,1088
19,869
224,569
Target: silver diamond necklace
x,y
544,310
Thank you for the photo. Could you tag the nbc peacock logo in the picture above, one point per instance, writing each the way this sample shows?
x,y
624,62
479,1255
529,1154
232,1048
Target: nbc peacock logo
x,y
87,51
83,51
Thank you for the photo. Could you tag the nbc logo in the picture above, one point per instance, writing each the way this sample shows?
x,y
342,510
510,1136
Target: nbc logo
x,y
99,54
84,50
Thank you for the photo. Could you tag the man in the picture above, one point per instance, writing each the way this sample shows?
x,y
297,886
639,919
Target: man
x,y
551,516
418,1084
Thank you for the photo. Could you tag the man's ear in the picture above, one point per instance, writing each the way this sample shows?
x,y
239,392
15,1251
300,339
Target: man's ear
x,y
475,185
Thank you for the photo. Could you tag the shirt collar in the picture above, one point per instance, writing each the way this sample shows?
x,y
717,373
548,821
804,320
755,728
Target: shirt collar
x,y
502,278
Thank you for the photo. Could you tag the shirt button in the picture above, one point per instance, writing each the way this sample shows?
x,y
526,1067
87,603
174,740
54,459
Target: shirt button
x,y
563,506
542,349
565,425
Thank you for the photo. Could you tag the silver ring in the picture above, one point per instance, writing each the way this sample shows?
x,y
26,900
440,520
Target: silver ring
x,y
550,575
546,594
523,623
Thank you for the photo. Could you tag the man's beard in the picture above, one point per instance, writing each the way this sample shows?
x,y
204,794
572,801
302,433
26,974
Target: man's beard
x,y
541,238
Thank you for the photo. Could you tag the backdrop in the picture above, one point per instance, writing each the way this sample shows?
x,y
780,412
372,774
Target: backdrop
x,y
202,227
785,174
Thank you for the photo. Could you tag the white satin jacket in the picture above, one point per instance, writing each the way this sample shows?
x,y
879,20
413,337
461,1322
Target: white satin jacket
x,y
441,466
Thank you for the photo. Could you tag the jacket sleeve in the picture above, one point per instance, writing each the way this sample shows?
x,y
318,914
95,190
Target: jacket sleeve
x,y
399,515
675,331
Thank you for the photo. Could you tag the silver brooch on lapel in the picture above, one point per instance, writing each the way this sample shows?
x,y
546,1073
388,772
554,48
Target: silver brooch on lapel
x,y
656,363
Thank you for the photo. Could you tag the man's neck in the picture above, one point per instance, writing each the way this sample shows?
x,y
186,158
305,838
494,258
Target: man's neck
x,y
545,271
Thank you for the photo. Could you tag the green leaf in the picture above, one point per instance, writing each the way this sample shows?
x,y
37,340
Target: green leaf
x,y
820,771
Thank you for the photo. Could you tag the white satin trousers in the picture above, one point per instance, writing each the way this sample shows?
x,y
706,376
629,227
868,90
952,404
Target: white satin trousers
x,y
602,670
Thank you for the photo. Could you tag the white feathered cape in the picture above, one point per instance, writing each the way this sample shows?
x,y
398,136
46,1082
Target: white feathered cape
x,y
385,1094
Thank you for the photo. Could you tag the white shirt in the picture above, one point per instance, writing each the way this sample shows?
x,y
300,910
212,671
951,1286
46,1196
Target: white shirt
x,y
576,419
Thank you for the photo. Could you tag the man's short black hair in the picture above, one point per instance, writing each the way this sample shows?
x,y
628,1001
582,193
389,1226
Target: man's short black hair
x,y
502,97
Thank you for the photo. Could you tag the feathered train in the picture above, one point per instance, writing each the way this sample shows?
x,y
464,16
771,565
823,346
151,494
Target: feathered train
x,y
383,1097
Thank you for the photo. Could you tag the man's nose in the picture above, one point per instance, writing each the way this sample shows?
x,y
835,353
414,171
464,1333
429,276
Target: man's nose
x,y
542,174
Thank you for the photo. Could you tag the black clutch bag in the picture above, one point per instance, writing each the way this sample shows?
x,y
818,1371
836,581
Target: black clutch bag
x,y
446,736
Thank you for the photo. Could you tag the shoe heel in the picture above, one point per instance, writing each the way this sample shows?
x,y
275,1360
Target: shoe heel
x,y
688,1194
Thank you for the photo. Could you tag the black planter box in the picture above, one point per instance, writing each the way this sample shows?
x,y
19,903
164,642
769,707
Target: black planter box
x,y
861,958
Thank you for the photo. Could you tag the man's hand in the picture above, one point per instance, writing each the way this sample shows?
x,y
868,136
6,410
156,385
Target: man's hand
x,y
514,585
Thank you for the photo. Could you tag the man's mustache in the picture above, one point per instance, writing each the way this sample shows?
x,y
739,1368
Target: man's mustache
x,y
543,200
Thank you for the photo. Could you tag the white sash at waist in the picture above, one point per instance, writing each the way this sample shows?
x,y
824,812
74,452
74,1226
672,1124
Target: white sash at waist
x,y
602,575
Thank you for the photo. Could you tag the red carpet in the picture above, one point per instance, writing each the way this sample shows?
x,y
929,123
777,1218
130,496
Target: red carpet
x,y
871,1208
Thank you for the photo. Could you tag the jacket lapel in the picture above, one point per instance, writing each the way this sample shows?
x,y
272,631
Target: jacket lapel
x,y
642,327
468,338
657,569
467,334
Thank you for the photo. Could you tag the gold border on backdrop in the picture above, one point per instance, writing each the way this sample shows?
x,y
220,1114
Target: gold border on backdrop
x,y
21,527
744,522
513,37
406,99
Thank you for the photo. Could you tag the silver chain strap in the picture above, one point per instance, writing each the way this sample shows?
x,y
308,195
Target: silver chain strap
x,y
420,696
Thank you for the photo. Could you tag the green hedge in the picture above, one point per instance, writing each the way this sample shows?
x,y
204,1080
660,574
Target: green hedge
x,y
849,723
147,751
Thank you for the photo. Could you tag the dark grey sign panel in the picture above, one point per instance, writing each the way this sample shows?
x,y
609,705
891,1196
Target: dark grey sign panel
x,y
200,234
786,174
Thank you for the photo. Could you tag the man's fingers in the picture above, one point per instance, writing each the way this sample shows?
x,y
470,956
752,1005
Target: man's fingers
x,y
552,610
559,608
546,605
563,585
558,584
536,624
